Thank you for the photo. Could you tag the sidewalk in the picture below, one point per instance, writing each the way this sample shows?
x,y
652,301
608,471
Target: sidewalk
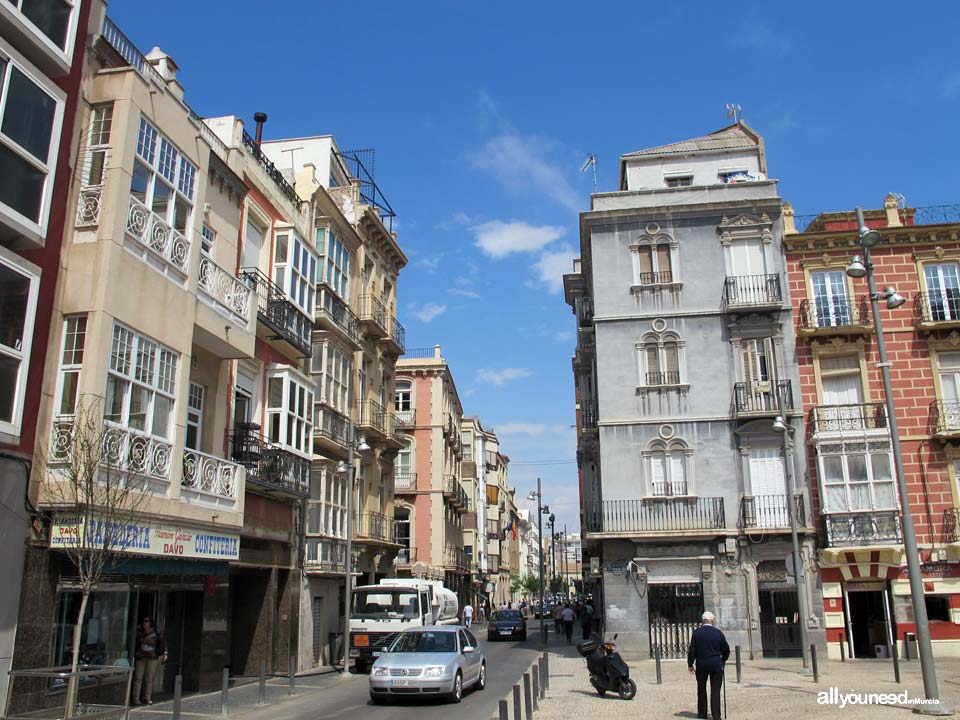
x,y
770,689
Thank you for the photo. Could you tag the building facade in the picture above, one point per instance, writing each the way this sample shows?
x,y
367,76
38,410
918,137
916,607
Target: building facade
x,y
866,594
679,379
503,527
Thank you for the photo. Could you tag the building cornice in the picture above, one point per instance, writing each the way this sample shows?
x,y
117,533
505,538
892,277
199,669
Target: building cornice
x,y
906,236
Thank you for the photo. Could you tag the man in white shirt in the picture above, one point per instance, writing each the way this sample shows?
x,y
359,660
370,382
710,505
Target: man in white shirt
x,y
468,614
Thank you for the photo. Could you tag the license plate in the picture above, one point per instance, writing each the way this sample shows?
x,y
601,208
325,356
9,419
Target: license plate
x,y
377,653
506,632
399,683
361,640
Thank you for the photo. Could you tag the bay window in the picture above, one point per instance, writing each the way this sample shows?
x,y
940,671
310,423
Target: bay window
x,y
19,281
289,412
294,270
335,368
857,476
334,266
51,20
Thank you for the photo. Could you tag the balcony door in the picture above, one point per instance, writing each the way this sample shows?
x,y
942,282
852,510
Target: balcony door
x,y
746,257
252,242
842,394
830,298
757,363
949,367
767,486
943,290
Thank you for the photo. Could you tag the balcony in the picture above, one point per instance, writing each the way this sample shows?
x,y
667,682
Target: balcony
x,y
454,492
406,556
455,558
950,527
655,516
334,316
662,379
271,468
396,338
468,470
880,527
372,420
948,419
469,520
583,308
324,555
664,277
404,479
749,293
759,399
123,450
282,321
163,246
398,432
826,419
331,431
374,527
839,316
210,480
373,317
769,512
406,419
937,311
447,425
224,292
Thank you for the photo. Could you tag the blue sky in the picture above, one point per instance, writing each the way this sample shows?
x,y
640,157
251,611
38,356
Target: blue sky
x,y
482,113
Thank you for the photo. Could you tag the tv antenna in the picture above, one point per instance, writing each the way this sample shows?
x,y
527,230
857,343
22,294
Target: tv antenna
x,y
734,111
292,151
591,161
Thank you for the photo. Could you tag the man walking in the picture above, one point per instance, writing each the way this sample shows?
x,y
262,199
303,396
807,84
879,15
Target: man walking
x,y
468,614
586,620
568,617
709,650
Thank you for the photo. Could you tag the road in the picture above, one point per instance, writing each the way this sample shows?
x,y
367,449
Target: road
x,y
506,663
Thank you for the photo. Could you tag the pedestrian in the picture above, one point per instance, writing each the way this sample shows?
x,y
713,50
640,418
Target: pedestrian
x,y
558,619
709,650
151,649
586,620
568,618
468,614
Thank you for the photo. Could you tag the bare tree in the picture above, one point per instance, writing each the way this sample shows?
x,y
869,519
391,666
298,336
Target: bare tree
x,y
90,481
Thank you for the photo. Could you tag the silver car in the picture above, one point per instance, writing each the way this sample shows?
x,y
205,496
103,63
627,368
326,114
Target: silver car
x,y
432,661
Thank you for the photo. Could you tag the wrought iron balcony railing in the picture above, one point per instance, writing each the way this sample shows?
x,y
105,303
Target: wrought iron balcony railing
x,y
270,169
770,511
398,430
406,419
761,398
670,377
950,529
374,314
654,515
454,557
210,476
124,449
948,417
333,313
877,527
372,416
835,314
752,291
270,467
374,526
330,427
404,479
225,289
406,555
397,334
663,277
157,235
325,554
848,418
938,308
454,492
278,312
670,489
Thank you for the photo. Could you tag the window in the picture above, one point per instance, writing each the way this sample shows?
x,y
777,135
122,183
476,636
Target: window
x,y
830,299
734,175
294,270
403,478
98,144
943,290
71,362
334,504
195,397
141,383
661,359
31,110
163,180
466,443
403,400
857,476
402,527
207,236
335,368
668,468
334,266
50,17
678,181
842,389
938,607
289,413
767,472
19,281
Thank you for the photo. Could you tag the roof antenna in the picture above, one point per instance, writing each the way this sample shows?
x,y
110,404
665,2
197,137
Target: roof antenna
x,y
734,111
591,160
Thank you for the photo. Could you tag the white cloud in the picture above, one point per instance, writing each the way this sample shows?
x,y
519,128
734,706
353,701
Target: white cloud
x,y
563,335
553,265
501,377
760,36
430,263
460,292
498,239
520,428
457,219
428,311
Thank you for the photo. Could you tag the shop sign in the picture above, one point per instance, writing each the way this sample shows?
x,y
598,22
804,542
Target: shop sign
x,y
148,538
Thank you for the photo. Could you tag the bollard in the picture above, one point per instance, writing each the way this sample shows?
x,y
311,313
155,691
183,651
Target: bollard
x,y
293,677
535,673
263,683
656,657
223,692
527,699
813,663
896,662
739,665
516,703
543,678
843,649
504,710
546,671
906,646
177,695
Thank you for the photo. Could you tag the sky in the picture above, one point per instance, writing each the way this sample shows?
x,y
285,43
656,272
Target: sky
x,y
482,114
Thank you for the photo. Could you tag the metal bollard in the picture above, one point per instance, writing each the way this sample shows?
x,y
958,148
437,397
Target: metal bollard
x,y
843,649
516,703
535,674
896,662
177,696
543,678
739,665
813,663
223,692
656,657
527,698
504,710
293,677
262,698
546,671
906,646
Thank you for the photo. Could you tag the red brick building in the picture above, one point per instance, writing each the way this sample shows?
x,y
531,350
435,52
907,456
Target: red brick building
x,y
862,563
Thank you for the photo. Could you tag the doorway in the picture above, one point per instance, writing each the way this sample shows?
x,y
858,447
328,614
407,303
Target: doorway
x,y
179,617
674,610
779,623
867,615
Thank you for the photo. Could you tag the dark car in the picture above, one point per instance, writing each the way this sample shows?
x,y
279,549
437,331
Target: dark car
x,y
547,612
507,623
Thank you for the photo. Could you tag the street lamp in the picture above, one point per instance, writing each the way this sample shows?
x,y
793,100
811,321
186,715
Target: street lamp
x,y
354,448
553,554
540,509
867,239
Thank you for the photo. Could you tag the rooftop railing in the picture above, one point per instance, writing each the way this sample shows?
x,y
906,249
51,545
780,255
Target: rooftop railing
x,y
270,169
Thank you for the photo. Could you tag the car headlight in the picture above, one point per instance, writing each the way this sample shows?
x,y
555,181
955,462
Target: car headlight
x,y
433,671
379,671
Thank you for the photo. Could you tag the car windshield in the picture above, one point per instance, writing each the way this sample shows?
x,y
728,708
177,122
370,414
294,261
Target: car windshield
x,y
385,604
439,642
508,615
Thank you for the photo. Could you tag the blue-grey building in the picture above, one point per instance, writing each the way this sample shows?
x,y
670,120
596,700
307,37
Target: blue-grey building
x,y
685,359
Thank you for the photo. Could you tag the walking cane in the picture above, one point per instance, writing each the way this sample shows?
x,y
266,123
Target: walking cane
x,y
723,681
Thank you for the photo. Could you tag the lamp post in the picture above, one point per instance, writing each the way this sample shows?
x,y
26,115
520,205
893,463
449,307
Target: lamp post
x,y
539,497
553,554
864,268
350,469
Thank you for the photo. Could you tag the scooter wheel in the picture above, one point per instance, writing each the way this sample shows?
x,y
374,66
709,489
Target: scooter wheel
x,y
628,689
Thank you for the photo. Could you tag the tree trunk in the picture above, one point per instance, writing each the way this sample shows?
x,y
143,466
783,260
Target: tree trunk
x,y
74,684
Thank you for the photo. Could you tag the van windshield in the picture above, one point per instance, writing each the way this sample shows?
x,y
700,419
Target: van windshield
x,y
385,604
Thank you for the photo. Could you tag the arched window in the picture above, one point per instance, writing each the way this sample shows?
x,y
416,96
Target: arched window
x,y
654,260
403,476
403,401
669,467
661,359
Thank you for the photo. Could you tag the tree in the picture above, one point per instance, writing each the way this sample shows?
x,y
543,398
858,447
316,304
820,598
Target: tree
x,y
516,584
92,483
531,585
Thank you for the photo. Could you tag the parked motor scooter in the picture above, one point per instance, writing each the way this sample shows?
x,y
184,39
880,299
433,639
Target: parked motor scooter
x,y
608,671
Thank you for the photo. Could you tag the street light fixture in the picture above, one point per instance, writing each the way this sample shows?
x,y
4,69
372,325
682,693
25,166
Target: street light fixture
x,y
354,448
868,238
540,510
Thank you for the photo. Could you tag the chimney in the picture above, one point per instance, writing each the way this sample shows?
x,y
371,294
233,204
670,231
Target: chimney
x,y
163,64
259,118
